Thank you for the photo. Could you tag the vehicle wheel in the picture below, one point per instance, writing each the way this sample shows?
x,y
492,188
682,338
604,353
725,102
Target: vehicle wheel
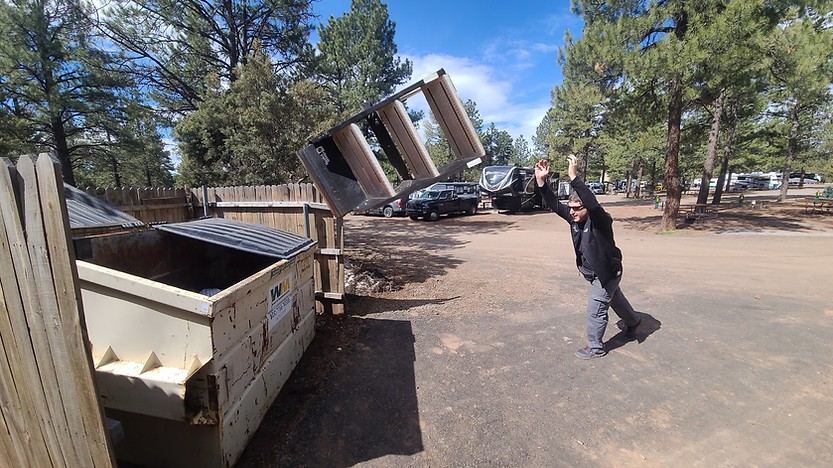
x,y
433,216
387,212
472,210
414,217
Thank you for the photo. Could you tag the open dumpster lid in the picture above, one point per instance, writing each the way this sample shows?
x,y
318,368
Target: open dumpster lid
x,y
238,235
87,211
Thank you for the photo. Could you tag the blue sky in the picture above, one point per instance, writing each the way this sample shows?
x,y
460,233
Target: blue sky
x,y
502,55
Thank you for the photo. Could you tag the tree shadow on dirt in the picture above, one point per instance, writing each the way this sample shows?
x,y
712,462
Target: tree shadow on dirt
x,y
646,202
535,212
415,251
726,221
369,305
639,223
479,222
352,398
749,221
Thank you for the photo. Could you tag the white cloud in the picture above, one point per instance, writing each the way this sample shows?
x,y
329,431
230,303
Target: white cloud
x,y
172,148
559,23
498,99
542,48
518,54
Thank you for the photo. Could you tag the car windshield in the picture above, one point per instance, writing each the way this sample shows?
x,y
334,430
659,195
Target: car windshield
x,y
430,195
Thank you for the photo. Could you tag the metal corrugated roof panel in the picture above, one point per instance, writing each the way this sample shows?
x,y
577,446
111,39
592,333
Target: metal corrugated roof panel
x,y
238,235
87,211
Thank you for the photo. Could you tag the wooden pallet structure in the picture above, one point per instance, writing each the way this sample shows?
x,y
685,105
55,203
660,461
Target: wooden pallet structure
x,y
343,166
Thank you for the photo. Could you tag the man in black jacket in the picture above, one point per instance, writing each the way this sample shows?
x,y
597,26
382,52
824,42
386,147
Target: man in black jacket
x,y
597,256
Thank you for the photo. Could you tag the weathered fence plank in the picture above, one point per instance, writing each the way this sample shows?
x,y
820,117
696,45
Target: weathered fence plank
x,y
17,281
46,330
66,289
50,410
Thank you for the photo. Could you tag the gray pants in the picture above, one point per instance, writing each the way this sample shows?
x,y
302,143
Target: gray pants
x,y
599,299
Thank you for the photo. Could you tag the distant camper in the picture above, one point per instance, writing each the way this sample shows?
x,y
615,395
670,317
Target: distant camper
x,y
512,189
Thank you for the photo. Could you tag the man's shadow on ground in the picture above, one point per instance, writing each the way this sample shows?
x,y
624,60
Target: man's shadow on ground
x,y
647,327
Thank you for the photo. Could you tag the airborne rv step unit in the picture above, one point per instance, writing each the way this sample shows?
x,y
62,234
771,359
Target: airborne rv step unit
x,y
345,169
512,188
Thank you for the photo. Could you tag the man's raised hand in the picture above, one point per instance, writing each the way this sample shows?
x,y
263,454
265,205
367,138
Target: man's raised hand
x,y
542,171
572,166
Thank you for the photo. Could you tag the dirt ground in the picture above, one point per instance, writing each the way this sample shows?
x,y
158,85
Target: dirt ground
x,y
463,355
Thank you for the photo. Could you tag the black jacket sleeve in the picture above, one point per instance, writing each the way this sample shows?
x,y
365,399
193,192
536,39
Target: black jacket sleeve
x,y
552,202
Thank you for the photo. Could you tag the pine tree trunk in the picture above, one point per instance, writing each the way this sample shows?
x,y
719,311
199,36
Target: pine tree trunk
x,y
672,151
231,39
637,193
62,150
727,150
628,187
711,151
791,146
114,166
586,157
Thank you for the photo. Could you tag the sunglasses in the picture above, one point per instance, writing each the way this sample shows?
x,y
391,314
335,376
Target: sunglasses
x,y
577,208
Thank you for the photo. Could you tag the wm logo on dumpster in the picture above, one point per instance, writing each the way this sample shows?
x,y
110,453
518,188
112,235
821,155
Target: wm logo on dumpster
x,y
279,290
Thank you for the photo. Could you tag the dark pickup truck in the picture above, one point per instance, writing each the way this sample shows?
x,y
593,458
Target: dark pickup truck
x,y
433,203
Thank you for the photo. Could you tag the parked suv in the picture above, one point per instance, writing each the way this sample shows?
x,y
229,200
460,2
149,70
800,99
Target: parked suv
x,y
460,188
433,203
597,188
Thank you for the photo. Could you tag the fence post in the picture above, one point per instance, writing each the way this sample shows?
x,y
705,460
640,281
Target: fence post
x,y
306,219
204,201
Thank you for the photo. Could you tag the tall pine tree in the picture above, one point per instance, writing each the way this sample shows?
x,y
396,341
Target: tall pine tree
x,y
57,81
358,62
182,48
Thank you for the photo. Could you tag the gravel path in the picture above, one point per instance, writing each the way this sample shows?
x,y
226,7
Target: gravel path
x,y
466,358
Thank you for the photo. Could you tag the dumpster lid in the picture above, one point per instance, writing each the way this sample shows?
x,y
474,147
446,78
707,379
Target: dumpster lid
x,y
238,235
87,211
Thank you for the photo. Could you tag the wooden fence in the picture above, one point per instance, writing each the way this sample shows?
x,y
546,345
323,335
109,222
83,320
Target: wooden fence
x,y
50,411
151,205
296,208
